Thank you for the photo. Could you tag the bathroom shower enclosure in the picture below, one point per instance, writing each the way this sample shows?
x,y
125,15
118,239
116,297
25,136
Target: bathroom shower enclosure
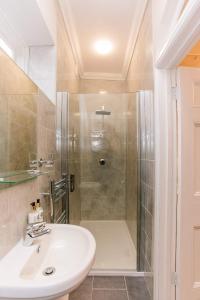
x,y
103,160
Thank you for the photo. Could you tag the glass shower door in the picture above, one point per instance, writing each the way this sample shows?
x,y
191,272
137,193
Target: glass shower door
x,y
59,196
73,159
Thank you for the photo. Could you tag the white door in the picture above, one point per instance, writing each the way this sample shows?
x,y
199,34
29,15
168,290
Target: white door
x,y
188,234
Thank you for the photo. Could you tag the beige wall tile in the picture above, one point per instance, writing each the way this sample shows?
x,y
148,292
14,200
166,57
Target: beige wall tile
x,y
103,187
96,86
140,75
14,207
67,79
131,167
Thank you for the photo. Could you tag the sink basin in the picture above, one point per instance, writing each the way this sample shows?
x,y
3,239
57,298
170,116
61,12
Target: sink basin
x,y
67,254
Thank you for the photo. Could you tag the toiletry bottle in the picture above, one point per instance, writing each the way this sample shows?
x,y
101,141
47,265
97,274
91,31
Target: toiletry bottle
x,y
39,210
33,215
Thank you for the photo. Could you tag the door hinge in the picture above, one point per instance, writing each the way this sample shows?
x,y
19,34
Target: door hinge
x,y
177,189
175,93
174,278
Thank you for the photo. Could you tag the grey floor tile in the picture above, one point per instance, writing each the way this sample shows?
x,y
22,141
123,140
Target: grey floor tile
x,y
133,296
77,295
84,291
135,283
137,288
109,295
109,282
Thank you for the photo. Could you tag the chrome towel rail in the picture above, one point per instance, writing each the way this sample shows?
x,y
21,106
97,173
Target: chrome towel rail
x,y
58,189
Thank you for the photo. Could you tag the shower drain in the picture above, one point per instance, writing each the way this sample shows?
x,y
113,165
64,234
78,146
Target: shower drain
x,y
49,271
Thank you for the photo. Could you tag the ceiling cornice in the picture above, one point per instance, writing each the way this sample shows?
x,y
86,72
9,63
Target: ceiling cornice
x,y
73,38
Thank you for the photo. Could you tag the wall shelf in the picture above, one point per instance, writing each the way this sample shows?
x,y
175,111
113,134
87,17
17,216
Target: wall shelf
x,y
21,176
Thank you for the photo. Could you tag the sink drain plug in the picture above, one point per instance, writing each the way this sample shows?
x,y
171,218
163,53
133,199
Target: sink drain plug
x,y
49,271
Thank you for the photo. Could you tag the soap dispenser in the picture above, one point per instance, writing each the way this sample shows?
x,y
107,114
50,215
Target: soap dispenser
x,y
33,215
39,211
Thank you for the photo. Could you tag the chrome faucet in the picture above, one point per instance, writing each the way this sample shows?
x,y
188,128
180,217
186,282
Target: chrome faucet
x,y
34,230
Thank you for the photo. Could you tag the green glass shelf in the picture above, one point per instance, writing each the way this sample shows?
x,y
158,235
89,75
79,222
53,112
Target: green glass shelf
x,y
19,176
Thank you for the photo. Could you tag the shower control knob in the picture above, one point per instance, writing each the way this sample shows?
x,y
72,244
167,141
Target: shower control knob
x,y
102,162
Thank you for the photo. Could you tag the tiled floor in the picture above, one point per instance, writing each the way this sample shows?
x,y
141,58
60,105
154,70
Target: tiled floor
x,y
111,288
112,254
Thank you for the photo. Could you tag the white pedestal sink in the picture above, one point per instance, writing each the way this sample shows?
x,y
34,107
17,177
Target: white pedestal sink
x,y
68,250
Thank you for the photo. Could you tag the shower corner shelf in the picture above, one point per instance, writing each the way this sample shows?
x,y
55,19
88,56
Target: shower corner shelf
x,y
17,177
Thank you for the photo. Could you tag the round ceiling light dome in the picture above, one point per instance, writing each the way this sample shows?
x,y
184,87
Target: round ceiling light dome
x,y
103,47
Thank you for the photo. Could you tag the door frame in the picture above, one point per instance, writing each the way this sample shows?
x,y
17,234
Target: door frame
x,y
185,31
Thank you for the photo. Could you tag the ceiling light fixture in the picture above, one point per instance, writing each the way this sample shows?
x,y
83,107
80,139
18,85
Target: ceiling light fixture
x,y
103,47
102,92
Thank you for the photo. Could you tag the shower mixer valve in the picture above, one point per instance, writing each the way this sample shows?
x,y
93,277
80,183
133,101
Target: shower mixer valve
x,y
102,162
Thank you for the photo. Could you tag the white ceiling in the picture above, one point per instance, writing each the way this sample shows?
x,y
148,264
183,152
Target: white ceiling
x,y
115,20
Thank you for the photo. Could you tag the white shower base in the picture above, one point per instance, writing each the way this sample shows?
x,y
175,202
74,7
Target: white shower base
x,y
116,252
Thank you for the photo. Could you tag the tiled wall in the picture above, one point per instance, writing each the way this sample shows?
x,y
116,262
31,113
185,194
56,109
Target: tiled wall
x,y
18,116
140,75
12,81
14,206
18,127
140,78
147,167
103,189
98,85
131,167
67,77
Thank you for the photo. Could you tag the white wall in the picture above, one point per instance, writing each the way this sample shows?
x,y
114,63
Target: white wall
x,y
42,69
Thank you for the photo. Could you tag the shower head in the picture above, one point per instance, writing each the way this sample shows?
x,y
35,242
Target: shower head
x,y
103,112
